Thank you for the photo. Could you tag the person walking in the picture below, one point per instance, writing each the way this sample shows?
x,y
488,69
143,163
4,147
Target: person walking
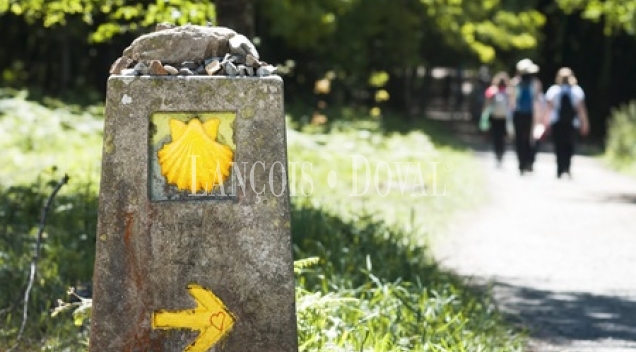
x,y
567,112
496,112
526,100
477,97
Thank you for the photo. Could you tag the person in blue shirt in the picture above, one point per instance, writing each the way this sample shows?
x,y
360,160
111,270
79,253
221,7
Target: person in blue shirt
x,y
527,98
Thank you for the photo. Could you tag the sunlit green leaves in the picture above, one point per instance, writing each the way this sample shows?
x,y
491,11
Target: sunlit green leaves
x,y
486,27
506,30
121,15
616,14
105,31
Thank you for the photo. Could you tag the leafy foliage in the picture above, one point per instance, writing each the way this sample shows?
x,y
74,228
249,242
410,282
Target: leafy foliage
x,y
374,292
66,257
376,288
490,26
310,21
401,33
71,43
111,17
38,143
621,137
301,264
82,308
616,14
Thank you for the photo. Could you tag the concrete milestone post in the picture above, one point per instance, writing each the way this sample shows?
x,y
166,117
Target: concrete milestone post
x,y
193,242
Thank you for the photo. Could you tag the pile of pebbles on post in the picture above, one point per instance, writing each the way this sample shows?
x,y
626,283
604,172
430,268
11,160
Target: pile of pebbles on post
x,y
191,50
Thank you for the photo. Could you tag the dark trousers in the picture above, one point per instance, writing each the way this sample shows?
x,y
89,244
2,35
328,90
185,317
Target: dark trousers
x,y
525,153
534,147
498,135
563,138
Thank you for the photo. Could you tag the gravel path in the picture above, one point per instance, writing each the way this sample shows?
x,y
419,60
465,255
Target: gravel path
x,y
560,254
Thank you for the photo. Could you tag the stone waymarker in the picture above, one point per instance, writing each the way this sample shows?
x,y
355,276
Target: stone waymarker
x,y
193,248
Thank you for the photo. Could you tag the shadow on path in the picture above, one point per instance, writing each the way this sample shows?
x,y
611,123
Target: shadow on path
x,y
560,317
618,198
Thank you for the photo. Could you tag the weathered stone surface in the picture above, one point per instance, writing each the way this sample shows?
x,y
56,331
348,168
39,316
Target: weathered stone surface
x,y
171,70
185,71
156,68
128,52
141,68
239,44
200,70
265,70
120,64
190,65
198,46
213,67
129,72
179,44
207,61
230,69
235,59
149,251
164,25
251,61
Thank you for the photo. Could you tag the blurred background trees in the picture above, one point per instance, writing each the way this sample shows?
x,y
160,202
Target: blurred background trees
x,y
64,47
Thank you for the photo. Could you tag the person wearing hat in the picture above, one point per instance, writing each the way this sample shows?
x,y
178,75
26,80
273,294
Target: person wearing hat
x,y
496,113
566,113
527,106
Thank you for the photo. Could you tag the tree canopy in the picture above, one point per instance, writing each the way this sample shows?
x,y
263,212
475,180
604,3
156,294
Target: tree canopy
x,y
110,17
616,15
350,40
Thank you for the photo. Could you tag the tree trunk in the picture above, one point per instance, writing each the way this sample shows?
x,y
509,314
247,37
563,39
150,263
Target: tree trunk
x,y
605,89
408,92
65,62
237,15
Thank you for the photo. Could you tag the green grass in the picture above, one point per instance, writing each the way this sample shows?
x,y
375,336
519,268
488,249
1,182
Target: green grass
x,y
403,178
39,145
403,301
35,138
374,287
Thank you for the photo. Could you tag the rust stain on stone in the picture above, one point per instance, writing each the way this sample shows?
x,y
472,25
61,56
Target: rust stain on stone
x,y
139,337
131,256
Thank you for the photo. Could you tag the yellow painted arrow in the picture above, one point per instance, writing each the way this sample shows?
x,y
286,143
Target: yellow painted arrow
x,y
210,318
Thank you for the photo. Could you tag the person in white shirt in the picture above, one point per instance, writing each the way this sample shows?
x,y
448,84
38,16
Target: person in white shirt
x,y
497,111
565,114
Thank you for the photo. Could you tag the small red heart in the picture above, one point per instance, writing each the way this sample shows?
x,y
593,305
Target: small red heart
x,y
217,320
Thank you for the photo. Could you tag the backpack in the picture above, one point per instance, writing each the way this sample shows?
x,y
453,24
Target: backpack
x,y
500,105
566,108
525,97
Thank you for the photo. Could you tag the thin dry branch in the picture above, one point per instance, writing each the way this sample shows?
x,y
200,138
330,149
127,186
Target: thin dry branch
x,y
36,257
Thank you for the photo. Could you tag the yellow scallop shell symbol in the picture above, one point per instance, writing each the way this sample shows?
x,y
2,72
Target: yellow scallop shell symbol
x,y
194,160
